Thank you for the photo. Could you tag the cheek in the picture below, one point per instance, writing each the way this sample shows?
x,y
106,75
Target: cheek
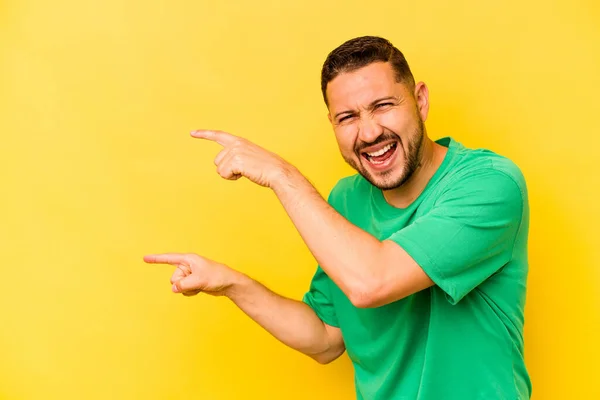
x,y
346,137
397,122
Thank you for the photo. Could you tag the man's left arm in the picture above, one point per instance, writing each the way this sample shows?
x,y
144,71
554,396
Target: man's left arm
x,y
371,272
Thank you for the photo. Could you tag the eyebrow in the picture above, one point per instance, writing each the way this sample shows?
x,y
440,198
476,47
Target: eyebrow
x,y
373,103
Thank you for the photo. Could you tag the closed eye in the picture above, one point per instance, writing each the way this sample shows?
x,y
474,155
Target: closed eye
x,y
380,105
345,118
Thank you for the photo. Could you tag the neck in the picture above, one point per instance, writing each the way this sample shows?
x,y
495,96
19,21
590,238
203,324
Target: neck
x,y
432,156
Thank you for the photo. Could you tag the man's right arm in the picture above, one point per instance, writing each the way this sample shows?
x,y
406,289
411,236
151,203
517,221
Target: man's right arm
x,y
292,322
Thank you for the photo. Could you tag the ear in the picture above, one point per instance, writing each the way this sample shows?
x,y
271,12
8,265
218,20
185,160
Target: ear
x,y
422,98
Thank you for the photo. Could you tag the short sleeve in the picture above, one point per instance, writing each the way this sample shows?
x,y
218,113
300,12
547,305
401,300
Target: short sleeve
x,y
319,299
470,232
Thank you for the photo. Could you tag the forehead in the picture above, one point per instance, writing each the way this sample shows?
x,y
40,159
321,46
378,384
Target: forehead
x,y
362,86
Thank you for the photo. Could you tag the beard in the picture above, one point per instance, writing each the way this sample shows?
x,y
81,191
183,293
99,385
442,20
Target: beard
x,y
412,155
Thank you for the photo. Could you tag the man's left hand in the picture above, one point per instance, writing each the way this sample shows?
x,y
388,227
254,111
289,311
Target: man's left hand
x,y
240,157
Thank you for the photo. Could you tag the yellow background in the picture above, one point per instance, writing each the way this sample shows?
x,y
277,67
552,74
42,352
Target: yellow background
x,y
97,168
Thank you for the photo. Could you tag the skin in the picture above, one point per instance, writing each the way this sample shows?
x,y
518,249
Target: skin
x,y
368,110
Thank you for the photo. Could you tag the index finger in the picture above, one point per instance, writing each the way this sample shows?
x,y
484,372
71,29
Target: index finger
x,y
166,258
223,138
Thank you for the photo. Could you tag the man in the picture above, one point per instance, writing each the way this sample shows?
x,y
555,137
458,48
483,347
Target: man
x,y
422,254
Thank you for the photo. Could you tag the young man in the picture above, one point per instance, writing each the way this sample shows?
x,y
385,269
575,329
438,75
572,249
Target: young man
x,y
422,254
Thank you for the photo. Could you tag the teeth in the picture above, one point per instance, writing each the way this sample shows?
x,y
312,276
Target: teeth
x,y
380,152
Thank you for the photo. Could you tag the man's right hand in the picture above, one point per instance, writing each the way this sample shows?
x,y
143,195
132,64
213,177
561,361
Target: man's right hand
x,y
195,274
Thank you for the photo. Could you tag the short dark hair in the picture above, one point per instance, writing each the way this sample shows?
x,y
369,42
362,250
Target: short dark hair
x,y
360,52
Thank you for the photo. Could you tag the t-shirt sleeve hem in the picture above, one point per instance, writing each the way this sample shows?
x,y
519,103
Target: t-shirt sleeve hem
x,y
328,318
427,264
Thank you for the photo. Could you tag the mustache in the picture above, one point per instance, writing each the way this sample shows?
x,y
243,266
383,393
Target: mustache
x,y
359,146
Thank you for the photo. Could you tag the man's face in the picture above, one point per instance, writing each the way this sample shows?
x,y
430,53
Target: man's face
x,y
378,123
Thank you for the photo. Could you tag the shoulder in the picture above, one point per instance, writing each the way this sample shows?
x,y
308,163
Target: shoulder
x,y
483,177
481,168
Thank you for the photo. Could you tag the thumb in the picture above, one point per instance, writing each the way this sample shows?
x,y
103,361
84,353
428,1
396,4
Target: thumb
x,y
186,284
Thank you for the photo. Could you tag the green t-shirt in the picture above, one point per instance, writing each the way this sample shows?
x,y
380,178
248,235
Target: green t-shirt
x,y
463,337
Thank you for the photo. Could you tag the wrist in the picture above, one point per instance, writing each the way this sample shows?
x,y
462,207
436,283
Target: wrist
x,y
238,283
287,177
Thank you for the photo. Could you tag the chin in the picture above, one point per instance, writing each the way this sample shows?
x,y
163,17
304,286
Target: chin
x,y
386,180
387,177
389,183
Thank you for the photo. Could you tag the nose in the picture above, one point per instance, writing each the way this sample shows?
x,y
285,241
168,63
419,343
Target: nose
x,y
369,129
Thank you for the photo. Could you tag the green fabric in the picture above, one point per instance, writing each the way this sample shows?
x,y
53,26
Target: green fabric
x,y
462,338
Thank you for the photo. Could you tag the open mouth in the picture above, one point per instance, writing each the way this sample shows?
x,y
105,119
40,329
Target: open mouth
x,y
381,158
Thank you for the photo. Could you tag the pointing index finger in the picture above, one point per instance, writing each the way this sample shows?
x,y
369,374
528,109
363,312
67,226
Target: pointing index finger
x,y
223,138
166,258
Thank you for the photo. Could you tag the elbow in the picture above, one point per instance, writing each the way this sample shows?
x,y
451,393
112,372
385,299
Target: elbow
x,y
323,359
365,295
384,281
363,300
330,355
372,293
